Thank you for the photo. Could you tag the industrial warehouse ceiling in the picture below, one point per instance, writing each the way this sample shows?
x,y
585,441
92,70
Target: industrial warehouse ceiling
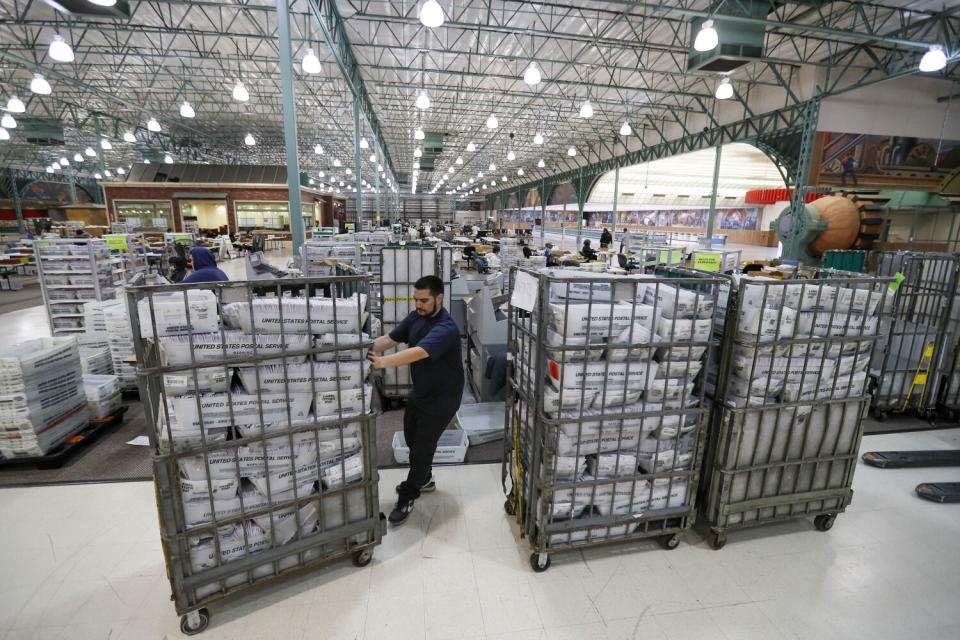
x,y
142,60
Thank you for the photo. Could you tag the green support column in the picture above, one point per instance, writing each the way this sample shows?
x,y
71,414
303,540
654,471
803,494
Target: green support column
x,y
543,211
357,162
99,150
297,232
807,141
14,191
712,216
73,187
616,190
377,187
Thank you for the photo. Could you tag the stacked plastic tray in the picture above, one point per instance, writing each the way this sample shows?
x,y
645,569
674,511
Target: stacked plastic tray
x,y
71,273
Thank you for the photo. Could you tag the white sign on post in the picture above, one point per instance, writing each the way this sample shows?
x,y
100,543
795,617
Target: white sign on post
x,y
525,291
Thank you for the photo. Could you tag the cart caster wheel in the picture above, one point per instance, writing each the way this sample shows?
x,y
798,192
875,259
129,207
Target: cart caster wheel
x,y
362,558
718,540
199,625
824,522
510,508
539,562
669,542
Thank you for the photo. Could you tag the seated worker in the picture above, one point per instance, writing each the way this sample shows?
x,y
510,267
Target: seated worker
x,y
587,251
493,259
527,251
550,255
205,267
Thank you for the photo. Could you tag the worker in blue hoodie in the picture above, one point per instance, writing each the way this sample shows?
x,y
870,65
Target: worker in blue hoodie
x,y
204,267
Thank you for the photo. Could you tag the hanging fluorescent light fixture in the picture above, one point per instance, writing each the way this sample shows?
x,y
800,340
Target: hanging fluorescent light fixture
x,y
933,60
541,164
50,170
4,134
311,63
431,14
336,162
103,3
471,147
532,75
538,138
56,165
186,110
249,140
15,105
167,159
240,93
459,160
625,128
373,157
511,156
89,152
60,50
129,137
450,170
571,151
724,90
349,171
107,173
105,144
77,157
121,171
318,149
153,125
520,171
64,162
418,134
417,153
40,86
423,101
586,109
707,38
492,122
492,167
364,144
321,174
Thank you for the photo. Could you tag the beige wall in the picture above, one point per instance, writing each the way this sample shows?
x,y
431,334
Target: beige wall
x,y
210,214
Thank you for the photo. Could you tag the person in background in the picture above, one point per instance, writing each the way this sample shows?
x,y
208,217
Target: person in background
x,y
436,368
493,259
204,267
550,255
625,240
849,166
606,239
587,251
527,251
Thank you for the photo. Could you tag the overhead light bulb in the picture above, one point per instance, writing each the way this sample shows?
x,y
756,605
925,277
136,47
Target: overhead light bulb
x,y
60,50
77,157
311,63
450,170
107,173
64,162
417,153
571,152
349,171
459,160
532,75
318,149
707,38
418,134
625,129
423,101
479,174
15,105
103,3
56,165
471,147
364,144
240,93
336,162
373,157
321,175
129,137
105,144
586,110
484,185
89,152
186,110
49,169
724,90
471,180
431,14
492,167
39,85
511,156
121,171
98,176
380,168
153,125
503,179
934,59
146,161
492,122
249,140
538,138
168,159
520,171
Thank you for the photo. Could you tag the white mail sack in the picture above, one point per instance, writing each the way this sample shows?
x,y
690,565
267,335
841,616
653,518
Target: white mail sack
x,y
332,509
624,498
564,468
198,512
347,472
666,390
344,403
680,353
636,334
578,320
278,482
677,302
236,541
274,454
239,409
635,375
615,397
845,386
808,296
666,427
326,315
679,369
178,312
560,510
587,444
667,494
211,347
612,465
222,465
822,324
681,330
348,346
214,379
669,460
592,347
861,300
304,377
281,525
566,398
766,324
201,489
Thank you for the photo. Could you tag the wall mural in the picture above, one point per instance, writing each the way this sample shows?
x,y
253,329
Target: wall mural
x,y
853,159
744,218
53,192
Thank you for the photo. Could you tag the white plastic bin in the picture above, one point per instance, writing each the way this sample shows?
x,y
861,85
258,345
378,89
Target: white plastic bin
x,y
451,449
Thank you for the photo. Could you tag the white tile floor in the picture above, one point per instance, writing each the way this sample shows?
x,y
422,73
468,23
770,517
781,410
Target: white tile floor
x,y
85,562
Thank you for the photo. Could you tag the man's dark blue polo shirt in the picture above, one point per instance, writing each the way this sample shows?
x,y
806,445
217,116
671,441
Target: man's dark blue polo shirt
x,y
437,380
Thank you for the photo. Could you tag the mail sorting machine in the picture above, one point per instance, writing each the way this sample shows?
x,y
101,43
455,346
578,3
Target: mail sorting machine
x,y
913,360
790,396
263,436
401,265
605,413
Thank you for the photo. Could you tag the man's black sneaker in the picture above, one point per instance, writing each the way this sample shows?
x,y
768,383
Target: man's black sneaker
x,y
401,512
427,488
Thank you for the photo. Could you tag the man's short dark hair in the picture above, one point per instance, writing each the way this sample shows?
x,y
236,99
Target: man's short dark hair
x,y
430,283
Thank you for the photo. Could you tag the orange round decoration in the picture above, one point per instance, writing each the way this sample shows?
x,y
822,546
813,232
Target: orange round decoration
x,y
843,224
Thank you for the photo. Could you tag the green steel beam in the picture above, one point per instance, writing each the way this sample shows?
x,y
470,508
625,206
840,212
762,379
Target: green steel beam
x,y
295,207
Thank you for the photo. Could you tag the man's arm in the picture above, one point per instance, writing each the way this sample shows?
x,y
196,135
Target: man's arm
x,y
383,343
399,359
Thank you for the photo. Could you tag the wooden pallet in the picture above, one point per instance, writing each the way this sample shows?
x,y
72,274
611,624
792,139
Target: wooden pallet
x,y
59,455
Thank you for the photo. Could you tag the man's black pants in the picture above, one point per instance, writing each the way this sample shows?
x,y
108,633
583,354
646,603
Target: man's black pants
x,y
421,430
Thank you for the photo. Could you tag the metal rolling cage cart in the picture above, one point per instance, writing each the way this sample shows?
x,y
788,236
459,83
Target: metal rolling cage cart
x,y
912,361
790,397
264,445
73,272
949,400
605,415
401,265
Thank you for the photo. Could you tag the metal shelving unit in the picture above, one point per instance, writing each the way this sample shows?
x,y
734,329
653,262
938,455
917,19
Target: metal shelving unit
x,y
125,254
605,413
262,428
790,394
401,265
72,272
